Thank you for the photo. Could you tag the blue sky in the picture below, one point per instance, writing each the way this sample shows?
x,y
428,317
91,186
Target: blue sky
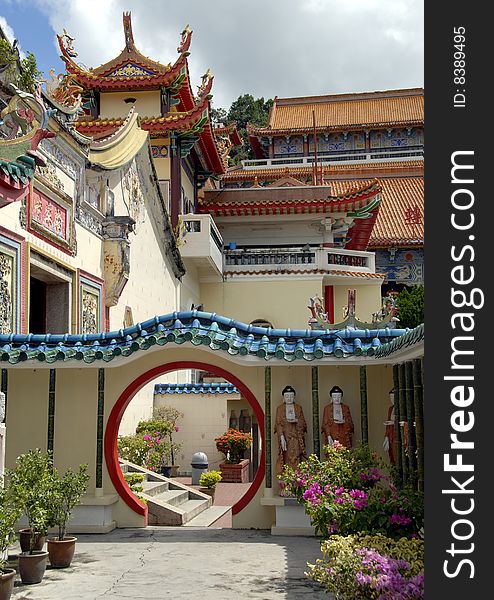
x,y
33,31
263,47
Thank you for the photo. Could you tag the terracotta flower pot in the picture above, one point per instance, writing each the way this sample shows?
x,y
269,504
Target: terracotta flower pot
x,y
208,491
25,538
32,567
6,583
61,552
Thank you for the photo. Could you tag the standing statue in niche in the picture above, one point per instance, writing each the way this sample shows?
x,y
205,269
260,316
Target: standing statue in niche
x,y
337,424
290,426
389,443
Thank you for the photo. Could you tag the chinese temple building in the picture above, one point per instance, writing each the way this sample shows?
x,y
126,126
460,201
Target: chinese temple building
x,y
359,137
185,149
130,252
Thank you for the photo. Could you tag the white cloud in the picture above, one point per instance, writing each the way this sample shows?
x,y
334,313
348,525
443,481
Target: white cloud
x,y
10,34
264,47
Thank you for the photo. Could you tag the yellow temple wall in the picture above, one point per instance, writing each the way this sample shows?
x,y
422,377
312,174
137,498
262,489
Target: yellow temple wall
x,y
147,104
76,413
368,300
283,302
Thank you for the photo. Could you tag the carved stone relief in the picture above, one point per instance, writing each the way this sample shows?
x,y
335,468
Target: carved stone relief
x,y
6,293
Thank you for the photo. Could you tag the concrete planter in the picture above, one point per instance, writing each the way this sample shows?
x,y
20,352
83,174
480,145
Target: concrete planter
x,y
235,473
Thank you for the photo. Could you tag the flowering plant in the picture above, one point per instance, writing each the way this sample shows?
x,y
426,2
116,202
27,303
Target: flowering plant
x,y
233,444
158,452
371,567
351,492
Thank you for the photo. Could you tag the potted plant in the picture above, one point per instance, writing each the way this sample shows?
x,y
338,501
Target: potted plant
x,y
233,444
67,492
10,511
208,482
31,483
170,415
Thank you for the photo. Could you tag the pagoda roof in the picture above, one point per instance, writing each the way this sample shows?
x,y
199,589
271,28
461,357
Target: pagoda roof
x,y
402,184
360,202
130,70
194,124
344,112
337,170
254,345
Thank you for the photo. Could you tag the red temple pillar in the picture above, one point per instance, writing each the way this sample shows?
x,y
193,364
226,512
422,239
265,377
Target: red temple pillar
x,y
329,302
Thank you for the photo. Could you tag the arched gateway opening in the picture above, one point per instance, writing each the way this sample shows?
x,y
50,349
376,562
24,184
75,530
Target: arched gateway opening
x,y
115,418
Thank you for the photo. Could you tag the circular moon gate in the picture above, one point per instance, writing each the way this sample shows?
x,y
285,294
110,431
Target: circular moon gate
x,y
116,414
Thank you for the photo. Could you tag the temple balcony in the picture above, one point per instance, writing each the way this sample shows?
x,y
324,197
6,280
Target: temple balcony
x,y
202,245
247,261
375,156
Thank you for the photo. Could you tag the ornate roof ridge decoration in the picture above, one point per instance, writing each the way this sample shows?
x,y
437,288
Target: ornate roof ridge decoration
x,y
240,173
196,328
231,131
412,337
195,388
226,138
64,92
172,121
256,131
26,114
130,68
365,191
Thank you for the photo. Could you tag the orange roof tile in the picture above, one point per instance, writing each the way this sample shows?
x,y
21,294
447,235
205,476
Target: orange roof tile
x,y
398,196
413,167
308,272
393,107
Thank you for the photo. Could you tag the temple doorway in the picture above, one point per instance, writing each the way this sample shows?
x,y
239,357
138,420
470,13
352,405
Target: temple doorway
x,y
202,402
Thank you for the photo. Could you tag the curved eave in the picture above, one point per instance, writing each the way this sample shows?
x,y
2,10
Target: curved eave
x,y
195,328
119,148
412,340
258,132
102,82
361,231
344,203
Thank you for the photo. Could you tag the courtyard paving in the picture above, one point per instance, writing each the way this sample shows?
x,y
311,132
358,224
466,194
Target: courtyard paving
x,y
169,562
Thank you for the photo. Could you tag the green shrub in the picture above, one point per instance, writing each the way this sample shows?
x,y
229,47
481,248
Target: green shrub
x,y
134,481
210,479
32,483
133,448
366,567
65,494
352,492
411,306
10,512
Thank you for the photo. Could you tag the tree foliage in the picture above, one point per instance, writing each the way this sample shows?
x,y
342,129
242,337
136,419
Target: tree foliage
x,y
23,72
245,109
411,306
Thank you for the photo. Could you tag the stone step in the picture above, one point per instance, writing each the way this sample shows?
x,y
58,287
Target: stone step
x,y
207,517
173,497
162,513
193,507
153,488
